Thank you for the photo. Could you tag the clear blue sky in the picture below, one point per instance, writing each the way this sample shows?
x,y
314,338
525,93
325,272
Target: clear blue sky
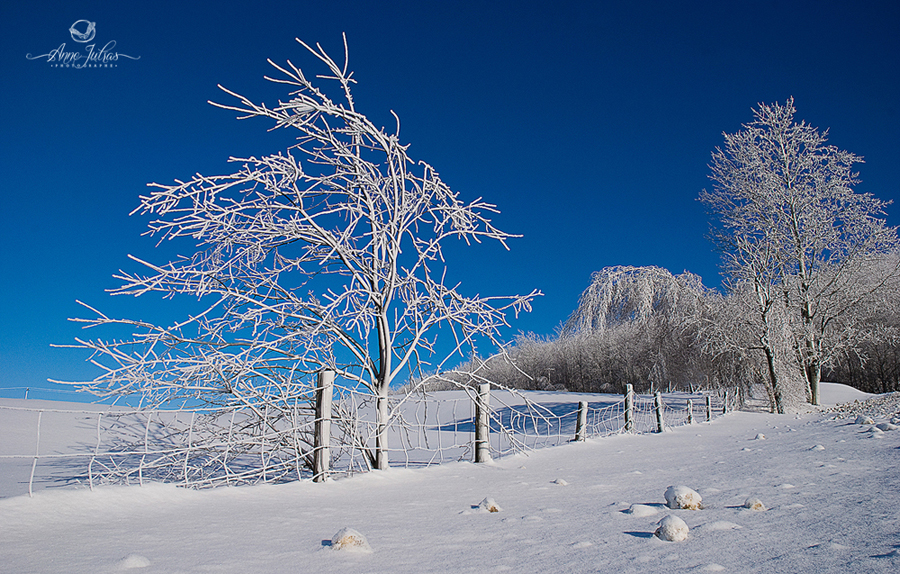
x,y
589,124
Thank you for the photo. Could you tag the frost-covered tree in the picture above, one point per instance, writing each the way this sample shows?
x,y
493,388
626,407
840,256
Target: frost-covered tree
x,y
791,225
327,255
627,294
873,366
644,315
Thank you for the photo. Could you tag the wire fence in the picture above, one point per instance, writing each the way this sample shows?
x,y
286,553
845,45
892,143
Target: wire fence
x,y
203,448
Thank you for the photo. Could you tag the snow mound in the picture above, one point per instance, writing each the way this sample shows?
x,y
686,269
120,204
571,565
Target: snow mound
x,y
754,503
712,568
642,510
561,482
133,561
864,420
348,539
886,426
818,447
672,529
489,505
837,393
760,436
683,497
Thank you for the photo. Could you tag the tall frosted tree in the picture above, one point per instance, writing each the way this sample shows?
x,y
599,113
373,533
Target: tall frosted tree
x,y
327,255
791,225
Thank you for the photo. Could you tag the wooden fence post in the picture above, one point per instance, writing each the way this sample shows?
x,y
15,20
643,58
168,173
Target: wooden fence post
x,y
629,408
321,452
37,452
708,408
657,399
690,409
482,423
581,425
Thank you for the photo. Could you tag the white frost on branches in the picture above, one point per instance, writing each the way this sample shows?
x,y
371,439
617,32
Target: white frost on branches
x,y
792,228
327,255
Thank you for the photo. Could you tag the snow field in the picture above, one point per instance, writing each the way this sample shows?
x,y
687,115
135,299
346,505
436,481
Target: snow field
x,y
830,510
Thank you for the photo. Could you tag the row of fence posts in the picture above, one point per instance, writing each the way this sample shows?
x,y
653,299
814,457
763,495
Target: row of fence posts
x,y
325,390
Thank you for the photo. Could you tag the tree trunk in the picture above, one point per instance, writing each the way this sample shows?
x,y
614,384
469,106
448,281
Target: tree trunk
x,y
381,419
812,363
813,376
776,383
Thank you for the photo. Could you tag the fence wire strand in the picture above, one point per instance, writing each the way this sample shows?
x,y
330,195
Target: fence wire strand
x,y
233,446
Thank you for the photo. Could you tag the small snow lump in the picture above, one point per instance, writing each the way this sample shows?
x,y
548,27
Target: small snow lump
x,y
351,540
133,561
683,497
754,503
642,510
490,505
672,529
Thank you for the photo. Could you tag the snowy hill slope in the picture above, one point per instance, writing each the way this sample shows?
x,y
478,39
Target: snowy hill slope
x,y
830,486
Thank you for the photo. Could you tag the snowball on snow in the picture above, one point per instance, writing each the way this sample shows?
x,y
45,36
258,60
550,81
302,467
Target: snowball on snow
x,y
672,528
683,497
490,505
349,539
864,420
642,510
754,503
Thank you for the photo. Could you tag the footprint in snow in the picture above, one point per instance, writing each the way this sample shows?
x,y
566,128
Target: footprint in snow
x,y
829,546
720,525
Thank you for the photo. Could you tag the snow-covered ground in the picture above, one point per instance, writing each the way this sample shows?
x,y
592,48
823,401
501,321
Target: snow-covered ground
x,y
831,489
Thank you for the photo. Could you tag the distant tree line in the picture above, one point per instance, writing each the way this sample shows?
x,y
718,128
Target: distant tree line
x,y
811,288
657,331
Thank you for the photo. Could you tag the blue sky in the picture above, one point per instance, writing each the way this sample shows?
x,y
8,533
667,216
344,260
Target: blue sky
x,y
589,124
